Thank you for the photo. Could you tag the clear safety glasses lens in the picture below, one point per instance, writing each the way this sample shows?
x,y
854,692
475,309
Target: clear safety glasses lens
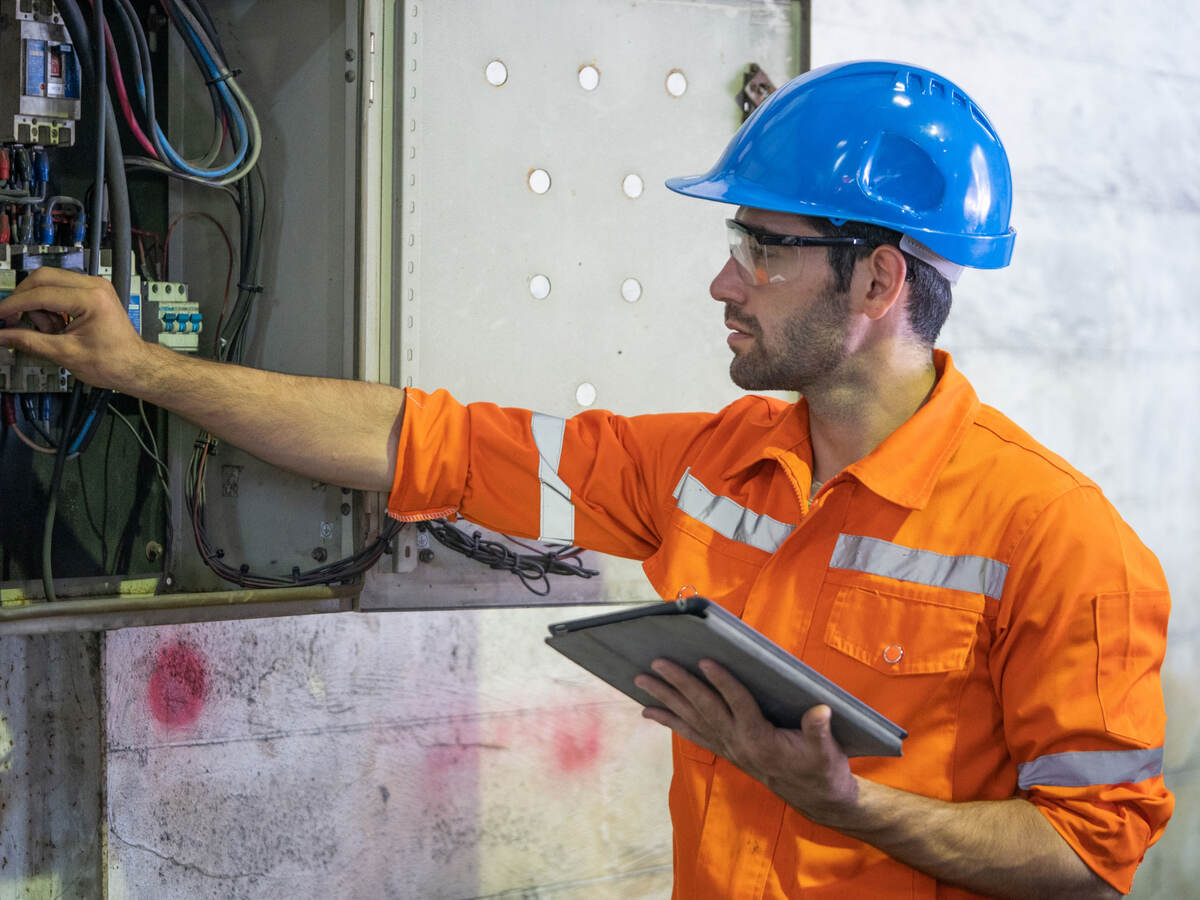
x,y
761,263
750,256
766,258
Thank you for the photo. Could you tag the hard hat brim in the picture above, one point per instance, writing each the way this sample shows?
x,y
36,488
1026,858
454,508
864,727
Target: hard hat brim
x,y
978,251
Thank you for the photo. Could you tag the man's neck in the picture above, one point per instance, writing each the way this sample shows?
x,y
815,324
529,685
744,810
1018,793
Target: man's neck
x,y
852,415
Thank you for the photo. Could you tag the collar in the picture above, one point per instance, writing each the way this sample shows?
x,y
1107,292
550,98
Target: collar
x,y
904,468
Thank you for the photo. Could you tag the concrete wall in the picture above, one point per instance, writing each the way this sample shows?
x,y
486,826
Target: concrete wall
x,y
51,767
1089,339
449,754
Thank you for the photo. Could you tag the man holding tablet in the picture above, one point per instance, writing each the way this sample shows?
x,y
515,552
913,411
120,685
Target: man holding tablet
x,y
903,539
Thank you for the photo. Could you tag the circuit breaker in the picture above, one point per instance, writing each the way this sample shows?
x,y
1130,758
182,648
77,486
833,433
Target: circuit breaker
x,y
39,76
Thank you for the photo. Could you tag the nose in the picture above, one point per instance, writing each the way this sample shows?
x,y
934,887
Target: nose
x,y
728,286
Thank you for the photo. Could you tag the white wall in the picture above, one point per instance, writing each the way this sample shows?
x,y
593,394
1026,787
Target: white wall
x,y
1090,339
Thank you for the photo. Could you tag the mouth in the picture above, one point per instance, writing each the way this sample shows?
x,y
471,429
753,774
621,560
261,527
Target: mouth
x,y
738,333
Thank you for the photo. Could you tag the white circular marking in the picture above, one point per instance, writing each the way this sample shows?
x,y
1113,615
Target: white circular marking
x,y
676,83
539,287
496,73
633,186
585,394
892,654
539,181
589,77
631,290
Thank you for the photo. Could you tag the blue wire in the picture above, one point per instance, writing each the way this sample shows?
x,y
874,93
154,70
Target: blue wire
x,y
83,432
239,123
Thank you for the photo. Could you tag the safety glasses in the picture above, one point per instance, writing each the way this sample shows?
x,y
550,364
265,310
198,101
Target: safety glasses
x,y
764,257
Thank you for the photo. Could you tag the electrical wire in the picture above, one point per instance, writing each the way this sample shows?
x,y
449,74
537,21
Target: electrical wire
x,y
100,90
119,84
9,417
341,570
531,568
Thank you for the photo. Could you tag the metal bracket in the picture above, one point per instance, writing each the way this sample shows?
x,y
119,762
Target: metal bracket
x,y
756,87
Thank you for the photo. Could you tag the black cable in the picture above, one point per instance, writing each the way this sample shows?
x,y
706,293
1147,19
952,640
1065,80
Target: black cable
x,y
532,568
60,459
210,29
133,52
128,16
338,571
100,87
100,91
120,221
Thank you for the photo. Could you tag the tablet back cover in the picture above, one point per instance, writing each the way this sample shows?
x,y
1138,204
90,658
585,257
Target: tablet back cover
x,y
617,647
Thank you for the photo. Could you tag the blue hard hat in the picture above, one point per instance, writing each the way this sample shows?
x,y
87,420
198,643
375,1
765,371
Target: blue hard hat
x,y
873,141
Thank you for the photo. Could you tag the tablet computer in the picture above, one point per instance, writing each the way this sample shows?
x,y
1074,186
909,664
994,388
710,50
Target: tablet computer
x,y
619,646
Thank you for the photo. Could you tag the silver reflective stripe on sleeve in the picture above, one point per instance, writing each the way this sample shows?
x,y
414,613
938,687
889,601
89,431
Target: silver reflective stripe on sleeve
x,y
976,574
727,517
1089,767
557,524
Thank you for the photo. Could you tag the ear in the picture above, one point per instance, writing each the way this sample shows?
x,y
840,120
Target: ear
x,y
886,269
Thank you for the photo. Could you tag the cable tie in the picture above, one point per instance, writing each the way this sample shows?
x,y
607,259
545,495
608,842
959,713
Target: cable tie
x,y
252,288
229,73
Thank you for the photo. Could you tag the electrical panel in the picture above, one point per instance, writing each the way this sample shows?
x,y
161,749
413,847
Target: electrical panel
x,y
327,240
93,503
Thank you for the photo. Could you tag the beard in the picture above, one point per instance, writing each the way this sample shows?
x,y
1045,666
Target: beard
x,y
807,349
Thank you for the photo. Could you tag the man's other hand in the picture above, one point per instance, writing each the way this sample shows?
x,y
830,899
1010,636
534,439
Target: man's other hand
x,y
804,766
78,322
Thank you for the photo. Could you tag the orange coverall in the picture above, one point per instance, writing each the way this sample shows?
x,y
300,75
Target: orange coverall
x,y
961,579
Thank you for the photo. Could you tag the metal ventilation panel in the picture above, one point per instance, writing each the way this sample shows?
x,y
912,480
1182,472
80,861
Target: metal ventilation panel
x,y
539,259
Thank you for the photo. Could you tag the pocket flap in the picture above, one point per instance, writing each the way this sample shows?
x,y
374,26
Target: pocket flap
x,y
900,635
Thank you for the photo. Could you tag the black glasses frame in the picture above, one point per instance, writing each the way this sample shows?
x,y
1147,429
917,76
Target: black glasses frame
x,y
771,239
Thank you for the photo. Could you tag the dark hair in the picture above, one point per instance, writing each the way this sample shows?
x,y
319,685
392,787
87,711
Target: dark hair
x,y
929,293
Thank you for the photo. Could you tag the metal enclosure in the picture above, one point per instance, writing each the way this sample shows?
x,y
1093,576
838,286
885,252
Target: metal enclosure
x,y
536,258
299,68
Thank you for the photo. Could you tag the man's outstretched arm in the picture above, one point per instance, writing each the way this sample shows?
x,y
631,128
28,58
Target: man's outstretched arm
x,y
337,431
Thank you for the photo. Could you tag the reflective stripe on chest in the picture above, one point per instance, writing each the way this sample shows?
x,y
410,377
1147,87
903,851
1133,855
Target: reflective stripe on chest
x,y
728,517
976,574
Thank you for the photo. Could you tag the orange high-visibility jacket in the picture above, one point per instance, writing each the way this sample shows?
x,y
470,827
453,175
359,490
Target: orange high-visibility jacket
x,y
961,579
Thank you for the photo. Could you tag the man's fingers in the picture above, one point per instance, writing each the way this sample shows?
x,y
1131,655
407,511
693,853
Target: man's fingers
x,y
816,727
46,322
665,694
33,343
52,299
50,276
740,701
676,724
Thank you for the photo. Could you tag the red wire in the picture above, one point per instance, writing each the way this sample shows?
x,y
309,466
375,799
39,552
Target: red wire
x,y
115,66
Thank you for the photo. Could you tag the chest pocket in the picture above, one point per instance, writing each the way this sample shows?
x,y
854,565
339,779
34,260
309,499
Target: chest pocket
x,y
897,635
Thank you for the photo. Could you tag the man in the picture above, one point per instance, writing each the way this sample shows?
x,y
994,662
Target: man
x,y
910,543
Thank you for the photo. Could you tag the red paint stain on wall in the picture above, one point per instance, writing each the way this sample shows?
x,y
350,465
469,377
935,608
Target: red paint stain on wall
x,y
577,742
178,686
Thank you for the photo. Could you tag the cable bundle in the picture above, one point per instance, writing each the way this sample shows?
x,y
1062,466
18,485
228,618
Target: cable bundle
x,y
341,570
532,568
